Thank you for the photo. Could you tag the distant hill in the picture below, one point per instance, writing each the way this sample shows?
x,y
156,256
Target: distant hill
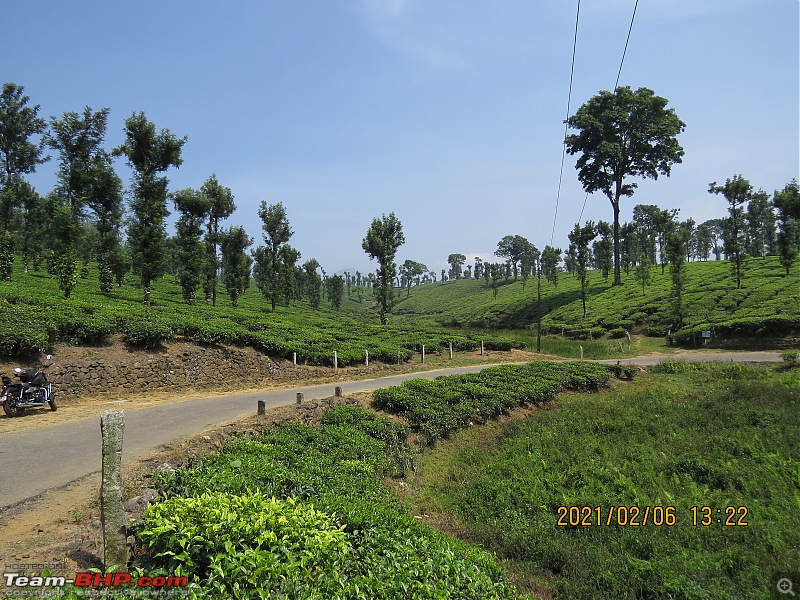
x,y
767,305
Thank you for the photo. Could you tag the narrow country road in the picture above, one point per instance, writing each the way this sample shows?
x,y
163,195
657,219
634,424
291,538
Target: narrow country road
x,y
37,460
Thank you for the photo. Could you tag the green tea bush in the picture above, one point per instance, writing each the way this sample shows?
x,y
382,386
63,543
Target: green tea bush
x,y
147,330
231,517
692,435
232,544
438,408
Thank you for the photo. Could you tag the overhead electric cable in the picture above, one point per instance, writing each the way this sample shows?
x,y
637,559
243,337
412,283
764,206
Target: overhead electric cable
x,y
616,85
569,99
628,39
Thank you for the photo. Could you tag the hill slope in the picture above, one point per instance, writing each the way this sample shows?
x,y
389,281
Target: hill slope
x,y
768,303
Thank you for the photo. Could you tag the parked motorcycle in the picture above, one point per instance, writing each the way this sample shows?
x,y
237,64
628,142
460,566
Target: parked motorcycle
x,y
31,391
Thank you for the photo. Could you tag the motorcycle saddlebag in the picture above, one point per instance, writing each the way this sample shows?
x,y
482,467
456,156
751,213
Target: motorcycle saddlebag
x,y
27,375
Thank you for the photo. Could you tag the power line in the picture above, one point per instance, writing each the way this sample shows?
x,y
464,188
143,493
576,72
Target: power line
x,y
633,16
616,85
569,100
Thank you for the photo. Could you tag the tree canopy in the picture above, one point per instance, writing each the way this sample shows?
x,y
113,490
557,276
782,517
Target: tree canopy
x,y
623,134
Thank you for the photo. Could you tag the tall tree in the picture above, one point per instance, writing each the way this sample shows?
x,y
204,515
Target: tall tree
x,y
687,232
335,287
703,241
193,206
34,222
456,262
221,206
271,274
676,255
787,201
623,134
384,237
513,248
312,283
760,224
105,200
410,270
737,192
82,162
551,257
665,224
581,237
601,249
236,264
149,153
19,153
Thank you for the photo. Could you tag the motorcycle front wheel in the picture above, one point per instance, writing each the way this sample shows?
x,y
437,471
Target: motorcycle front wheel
x,y
11,408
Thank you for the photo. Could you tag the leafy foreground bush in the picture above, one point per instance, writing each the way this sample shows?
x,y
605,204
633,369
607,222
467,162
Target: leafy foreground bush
x,y
714,435
438,408
302,512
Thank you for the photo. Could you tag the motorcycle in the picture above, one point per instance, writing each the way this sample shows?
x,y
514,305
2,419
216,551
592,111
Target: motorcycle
x,y
31,391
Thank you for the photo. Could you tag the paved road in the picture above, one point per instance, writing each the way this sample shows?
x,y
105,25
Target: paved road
x,y
37,460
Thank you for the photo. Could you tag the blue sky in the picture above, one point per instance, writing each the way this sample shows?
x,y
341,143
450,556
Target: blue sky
x,y
447,112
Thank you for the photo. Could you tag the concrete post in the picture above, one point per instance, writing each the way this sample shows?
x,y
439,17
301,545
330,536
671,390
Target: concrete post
x,y
366,357
335,362
261,408
294,358
481,347
581,347
423,354
115,546
451,350
337,391
299,397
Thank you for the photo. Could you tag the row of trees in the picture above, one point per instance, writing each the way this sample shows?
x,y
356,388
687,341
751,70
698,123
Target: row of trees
x,y
757,225
85,216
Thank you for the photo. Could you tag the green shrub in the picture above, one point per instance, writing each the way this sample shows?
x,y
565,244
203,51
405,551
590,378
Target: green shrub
x,y
148,332
233,544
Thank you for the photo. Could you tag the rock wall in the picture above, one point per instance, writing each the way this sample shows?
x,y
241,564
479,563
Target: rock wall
x,y
198,367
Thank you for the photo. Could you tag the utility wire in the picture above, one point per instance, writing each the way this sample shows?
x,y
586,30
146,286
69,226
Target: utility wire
x,y
616,85
569,100
633,16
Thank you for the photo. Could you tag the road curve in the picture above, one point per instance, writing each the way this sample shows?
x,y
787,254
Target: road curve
x,y
37,460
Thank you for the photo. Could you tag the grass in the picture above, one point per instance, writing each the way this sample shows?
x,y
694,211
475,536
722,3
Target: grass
x,y
691,435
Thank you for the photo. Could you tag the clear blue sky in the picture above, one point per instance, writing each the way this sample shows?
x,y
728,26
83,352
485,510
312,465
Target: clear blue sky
x,y
447,112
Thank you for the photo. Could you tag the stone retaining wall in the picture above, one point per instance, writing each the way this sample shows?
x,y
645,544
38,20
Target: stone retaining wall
x,y
200,367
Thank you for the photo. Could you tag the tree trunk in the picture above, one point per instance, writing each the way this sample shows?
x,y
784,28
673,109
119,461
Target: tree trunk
x,y
617,276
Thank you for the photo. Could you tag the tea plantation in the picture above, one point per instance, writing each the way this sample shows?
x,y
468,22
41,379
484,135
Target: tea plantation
x,y
768,303
34,315
684,484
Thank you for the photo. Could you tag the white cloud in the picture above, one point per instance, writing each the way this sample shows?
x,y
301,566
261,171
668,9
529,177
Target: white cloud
x,y
393,23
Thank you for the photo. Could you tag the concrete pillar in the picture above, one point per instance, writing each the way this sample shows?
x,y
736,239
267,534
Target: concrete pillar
x,y
115,546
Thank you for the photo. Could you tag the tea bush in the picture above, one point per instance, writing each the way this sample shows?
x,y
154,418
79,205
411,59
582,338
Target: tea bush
x,y
345,535
438,408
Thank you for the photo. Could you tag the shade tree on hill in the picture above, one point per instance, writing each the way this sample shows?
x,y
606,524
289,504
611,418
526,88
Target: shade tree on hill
x,y
787,201
737,191
236,264
273,263
149,153
220,206
20,154
623,134
384,237
456,262
579,239
191,251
